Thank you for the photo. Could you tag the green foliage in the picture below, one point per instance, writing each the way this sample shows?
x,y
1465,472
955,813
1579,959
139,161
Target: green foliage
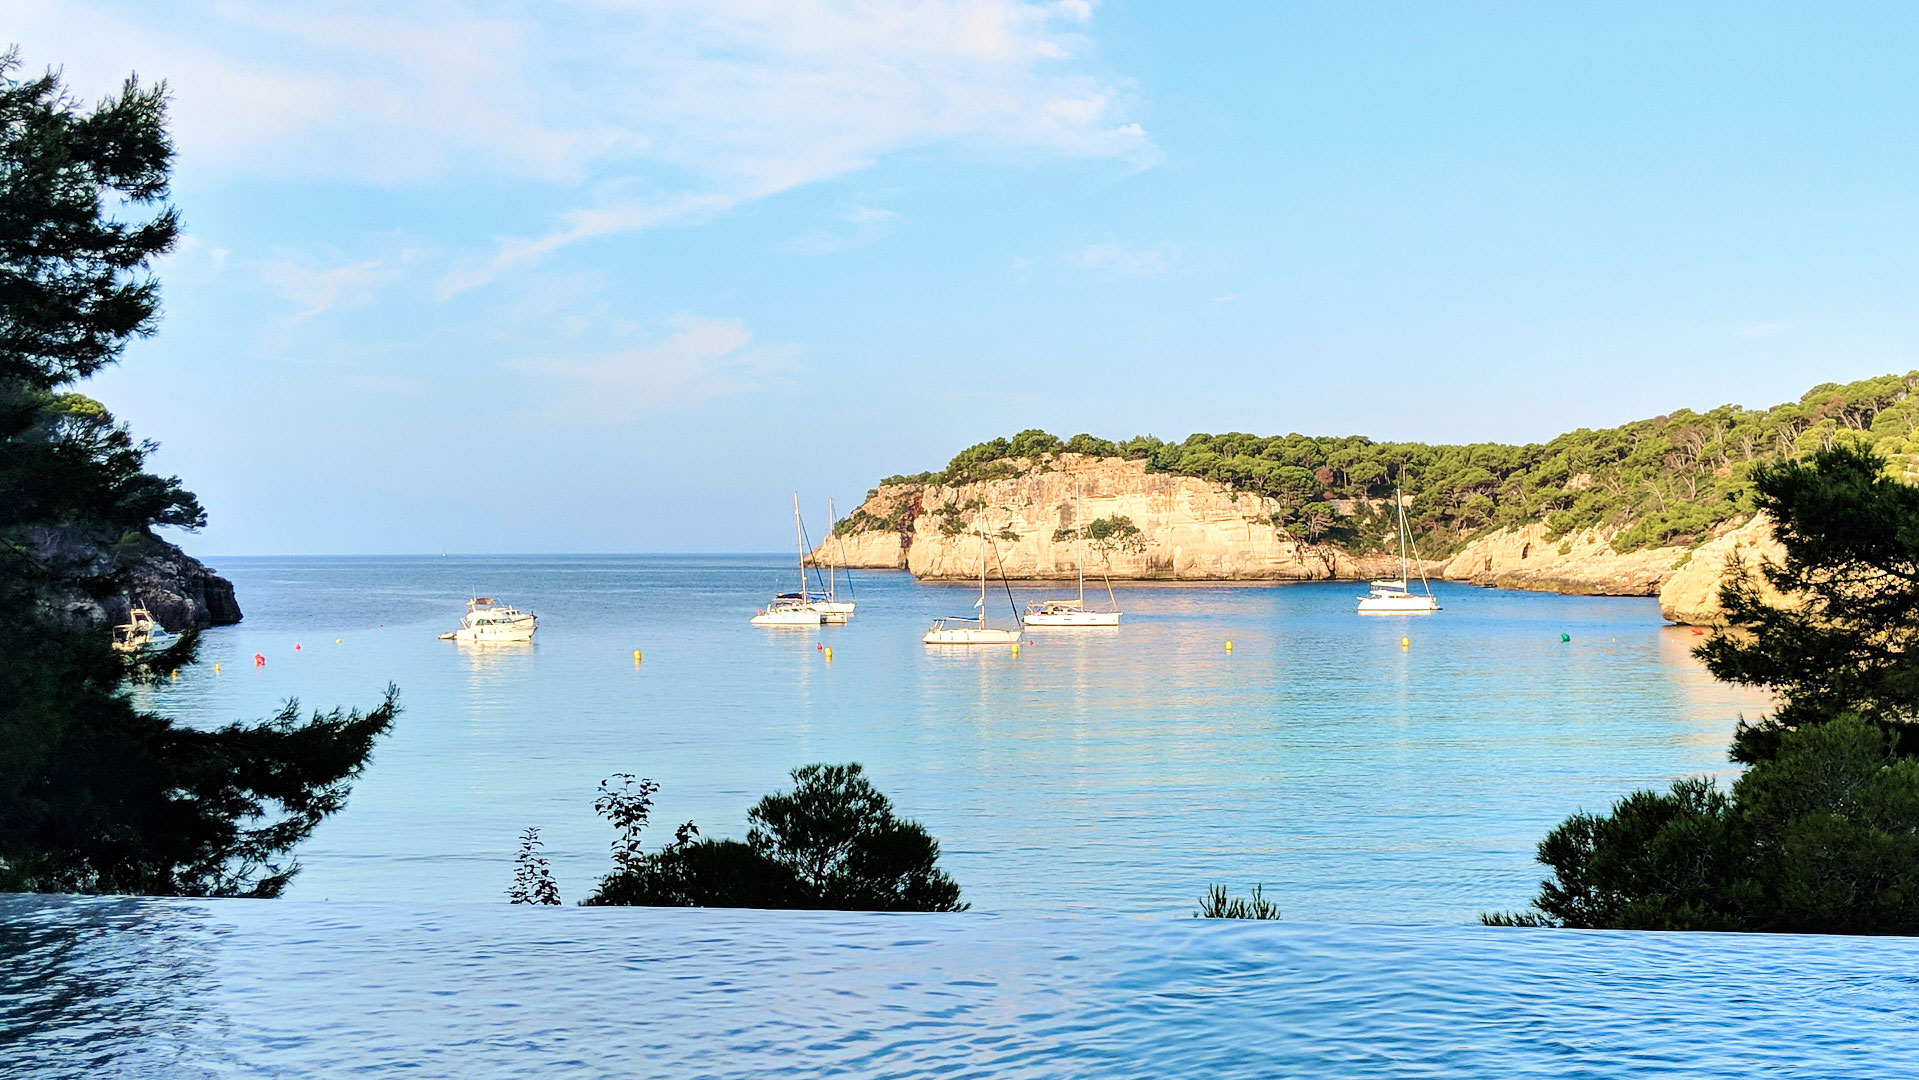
x,y
1851,537
832,842
1666,480
1115,533
1822,838
1215,904
96,795
532,875
1821,833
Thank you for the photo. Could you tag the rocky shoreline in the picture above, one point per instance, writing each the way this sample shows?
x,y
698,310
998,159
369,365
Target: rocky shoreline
x,y
1197,531
180,590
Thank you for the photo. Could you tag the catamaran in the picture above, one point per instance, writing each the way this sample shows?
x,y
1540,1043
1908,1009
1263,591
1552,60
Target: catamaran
x,y
831,608
1393,597
1073,612
488,620
961,629
792,609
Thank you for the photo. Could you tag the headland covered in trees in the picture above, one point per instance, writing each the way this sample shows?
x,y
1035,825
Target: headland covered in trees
x,y
1612,510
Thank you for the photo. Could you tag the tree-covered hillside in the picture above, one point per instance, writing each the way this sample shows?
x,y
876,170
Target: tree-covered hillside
x,y
1665,480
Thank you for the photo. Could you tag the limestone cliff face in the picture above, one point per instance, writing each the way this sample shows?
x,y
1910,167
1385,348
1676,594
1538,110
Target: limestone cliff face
x,y
1190,529
1198,530
1583,563
1691,595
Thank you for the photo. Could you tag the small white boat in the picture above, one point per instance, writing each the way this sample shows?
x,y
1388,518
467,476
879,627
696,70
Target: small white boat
x,y
797,608
963,630
1073,612
1066,613
141,633
1391,596
487,619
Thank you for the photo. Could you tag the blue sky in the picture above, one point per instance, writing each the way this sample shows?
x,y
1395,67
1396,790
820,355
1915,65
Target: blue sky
x,y
618,277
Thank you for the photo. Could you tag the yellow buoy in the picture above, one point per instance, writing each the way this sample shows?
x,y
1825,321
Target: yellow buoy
x,y
175,675
1405,643
1015,648
1229,644
636,656
829,653
216,669
336,641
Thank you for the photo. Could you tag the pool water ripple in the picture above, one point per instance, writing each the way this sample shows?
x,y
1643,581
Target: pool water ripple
x,y
197,988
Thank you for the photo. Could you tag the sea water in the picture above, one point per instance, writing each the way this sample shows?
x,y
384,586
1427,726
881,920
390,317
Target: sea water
x,y
1397,769
1385,779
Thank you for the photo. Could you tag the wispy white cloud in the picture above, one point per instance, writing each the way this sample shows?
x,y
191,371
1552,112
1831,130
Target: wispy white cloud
x,y
1229,298
699,360
703,104
1157,261
313,290
858,227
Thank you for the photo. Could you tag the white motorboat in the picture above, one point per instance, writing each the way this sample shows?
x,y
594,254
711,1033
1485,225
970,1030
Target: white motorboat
x,y
1073,613
488,620
792,609
963,630
1392,596
141,633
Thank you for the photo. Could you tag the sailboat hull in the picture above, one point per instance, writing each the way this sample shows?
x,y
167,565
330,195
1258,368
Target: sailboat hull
x,y
970,635
1397,605
833,611
1071,618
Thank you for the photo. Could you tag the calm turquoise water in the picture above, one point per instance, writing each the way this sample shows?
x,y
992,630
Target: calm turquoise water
x,y
162,989
1096,772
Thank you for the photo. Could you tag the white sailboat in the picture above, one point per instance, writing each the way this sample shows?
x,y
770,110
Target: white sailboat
x,y
791,609
1394,597
962,630
831,608
1073,612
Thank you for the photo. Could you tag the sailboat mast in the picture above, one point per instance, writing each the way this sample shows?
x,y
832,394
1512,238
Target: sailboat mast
x,y
982,570
1399,505
831,576
799,542
1079,526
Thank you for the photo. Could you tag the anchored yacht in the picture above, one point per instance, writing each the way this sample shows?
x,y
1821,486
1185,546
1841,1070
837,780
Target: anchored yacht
x,y
141,633
487,619
964,630
1073,612
1393,597
792,609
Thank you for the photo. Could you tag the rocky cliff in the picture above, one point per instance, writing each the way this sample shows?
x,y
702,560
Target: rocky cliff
x,y
1189,529
1691,594
178,589
1583,563
1198,530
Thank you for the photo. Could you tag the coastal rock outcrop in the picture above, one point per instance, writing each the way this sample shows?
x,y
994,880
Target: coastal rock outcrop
x,y
1582,563
1189,529
1192,529
1691,595
177,588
